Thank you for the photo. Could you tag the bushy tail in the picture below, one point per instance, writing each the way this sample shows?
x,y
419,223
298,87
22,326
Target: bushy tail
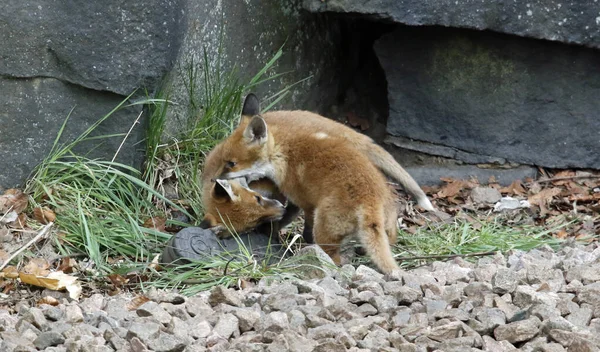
x,y
390,167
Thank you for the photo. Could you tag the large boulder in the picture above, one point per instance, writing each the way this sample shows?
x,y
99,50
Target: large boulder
x,y
576,22
86,55
492,98
249,33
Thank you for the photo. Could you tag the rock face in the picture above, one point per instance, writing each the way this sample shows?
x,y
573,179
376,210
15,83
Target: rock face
x,y
494,96
575,22
110,46
250,33
86,55
480,97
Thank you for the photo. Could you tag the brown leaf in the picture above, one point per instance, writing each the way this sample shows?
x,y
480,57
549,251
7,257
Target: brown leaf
x,y
13,199
37,266
451,189
156,222
117,280
137,302
544,197
563,174
66,265
561,234
515,188
44,215
20,222
10,272
49,300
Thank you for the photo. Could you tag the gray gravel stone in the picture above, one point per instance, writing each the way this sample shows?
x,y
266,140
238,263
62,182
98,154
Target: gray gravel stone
x,y
167,343
518,331
48,339
220,294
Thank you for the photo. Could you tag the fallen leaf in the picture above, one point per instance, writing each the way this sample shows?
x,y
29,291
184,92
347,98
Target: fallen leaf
x,y
44,215
9,217
156,222
155,264
66,265
14,200
137,302
117,280
544,196
55,281
515,188
10,272
20,222
561,234
37,266
49,300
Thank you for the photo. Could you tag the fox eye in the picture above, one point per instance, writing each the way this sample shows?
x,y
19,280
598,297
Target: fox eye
x,y
230,164
258,199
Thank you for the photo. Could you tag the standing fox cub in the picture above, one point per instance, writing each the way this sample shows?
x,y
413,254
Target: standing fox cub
x,y
292,122
334,183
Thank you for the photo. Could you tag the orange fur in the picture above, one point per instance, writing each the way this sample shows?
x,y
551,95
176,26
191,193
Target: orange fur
x,y
335,184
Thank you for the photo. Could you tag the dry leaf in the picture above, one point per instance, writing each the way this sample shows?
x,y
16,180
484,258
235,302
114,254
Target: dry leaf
x,y
137,302
49,300
156,222
66,265
10,272
562,234
515,188
44,215
13,199
37,266
451,189
544,196
55,281
117,280
155,264
20,222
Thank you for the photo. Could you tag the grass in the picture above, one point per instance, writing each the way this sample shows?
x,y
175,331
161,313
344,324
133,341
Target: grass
x,y
101,205
463,237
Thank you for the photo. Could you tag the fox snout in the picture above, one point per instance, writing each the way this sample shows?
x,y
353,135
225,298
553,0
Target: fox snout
x,y
277,206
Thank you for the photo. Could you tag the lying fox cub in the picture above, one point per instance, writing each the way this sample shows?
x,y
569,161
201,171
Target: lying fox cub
x,y
335,184
302,122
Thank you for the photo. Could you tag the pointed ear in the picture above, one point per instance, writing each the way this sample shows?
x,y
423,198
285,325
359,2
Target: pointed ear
x,y
251,105
222,191
256,131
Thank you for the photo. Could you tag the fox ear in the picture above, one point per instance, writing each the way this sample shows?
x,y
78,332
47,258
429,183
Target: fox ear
x,y
222,191
251,105
256,131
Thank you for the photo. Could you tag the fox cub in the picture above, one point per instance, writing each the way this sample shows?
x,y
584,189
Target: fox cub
x,y
337,186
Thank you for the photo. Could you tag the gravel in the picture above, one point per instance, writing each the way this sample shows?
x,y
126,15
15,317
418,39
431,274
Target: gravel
x,y
531,301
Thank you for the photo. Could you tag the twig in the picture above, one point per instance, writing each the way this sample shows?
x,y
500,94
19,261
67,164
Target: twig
x,y
33,240
448,256
127,135
575,177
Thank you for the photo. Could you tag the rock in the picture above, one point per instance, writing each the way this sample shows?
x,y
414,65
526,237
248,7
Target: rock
x,y
581,317
505,281
364,273
154,310
312,262
376,339
48,339
488,319
575,341
518,331
144,331
167,343
73,314
491,345
36,317
220,294
226,326
437,79
201,329
485,195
